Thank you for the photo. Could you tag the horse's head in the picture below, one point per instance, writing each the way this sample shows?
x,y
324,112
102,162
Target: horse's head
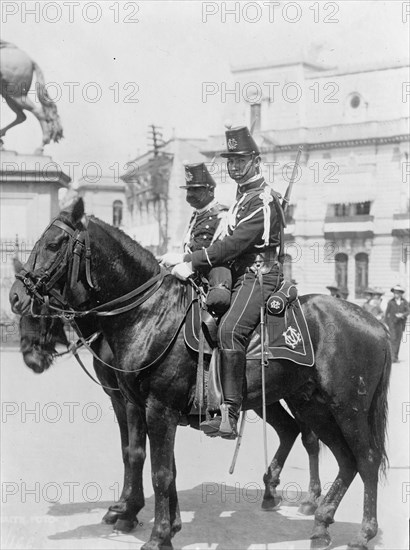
x,y
47,270
38,340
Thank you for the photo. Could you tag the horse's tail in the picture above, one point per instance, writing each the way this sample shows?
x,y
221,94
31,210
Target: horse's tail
x,y
378,412
49,107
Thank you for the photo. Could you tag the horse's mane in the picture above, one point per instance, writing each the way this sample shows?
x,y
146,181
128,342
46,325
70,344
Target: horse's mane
x,y
133,248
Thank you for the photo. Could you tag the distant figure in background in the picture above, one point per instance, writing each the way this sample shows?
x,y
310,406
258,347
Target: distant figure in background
x,y
373,303
396,315
334,290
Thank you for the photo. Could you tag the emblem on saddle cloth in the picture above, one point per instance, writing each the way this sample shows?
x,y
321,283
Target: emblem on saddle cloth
x,y
287,332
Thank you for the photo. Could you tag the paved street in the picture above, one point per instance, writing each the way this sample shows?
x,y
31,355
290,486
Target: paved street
x,y
61,468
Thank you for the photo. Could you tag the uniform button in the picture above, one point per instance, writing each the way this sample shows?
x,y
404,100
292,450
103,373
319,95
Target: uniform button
x,y
204,236
210,217
207,227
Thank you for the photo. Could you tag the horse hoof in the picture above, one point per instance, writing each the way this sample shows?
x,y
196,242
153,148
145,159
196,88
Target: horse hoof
x,y
357,546
110,517
270,504
307,508
320,543
153,545
124,525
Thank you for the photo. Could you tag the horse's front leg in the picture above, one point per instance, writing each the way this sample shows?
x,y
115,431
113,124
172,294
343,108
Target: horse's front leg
x,y
162,423
134,457
114,511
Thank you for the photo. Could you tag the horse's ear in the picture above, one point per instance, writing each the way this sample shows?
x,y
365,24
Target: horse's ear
x,y
78,210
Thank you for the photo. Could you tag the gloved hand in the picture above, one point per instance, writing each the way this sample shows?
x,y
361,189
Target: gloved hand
x,y
183,270
171,258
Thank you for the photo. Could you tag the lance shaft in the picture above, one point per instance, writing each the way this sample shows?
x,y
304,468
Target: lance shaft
x,y
286,198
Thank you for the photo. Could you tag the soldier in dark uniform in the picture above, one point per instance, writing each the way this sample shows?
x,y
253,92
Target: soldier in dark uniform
x,y
204,227
396,315
251,245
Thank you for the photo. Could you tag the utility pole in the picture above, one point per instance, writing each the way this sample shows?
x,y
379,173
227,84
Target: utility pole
x,y
155,137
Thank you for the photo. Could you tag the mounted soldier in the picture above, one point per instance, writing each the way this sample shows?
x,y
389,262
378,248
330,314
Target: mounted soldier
x,y
252,246
205,227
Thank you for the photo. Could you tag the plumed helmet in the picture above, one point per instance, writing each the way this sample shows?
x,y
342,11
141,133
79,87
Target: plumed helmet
x,y
197,175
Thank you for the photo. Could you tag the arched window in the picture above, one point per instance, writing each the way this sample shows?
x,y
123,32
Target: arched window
x,y
341,261
362,274
287,267
117,213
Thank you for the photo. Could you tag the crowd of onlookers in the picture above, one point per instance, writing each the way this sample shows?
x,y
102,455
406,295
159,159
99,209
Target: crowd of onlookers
x,y
394,316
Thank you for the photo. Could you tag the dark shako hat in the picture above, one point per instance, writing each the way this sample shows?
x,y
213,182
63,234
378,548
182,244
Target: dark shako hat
x,y
239,141
197,175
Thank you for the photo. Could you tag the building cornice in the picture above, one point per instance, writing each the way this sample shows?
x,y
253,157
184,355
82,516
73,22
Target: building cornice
x,y
339,143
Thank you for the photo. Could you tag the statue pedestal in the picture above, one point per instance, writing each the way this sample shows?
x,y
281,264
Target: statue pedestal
x,y
29,186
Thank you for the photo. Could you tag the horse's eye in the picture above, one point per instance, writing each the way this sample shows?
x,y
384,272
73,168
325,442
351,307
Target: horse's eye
x,y
53,247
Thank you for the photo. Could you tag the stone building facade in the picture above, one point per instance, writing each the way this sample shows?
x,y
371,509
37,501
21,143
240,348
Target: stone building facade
x,y
29,193
349,214
157,213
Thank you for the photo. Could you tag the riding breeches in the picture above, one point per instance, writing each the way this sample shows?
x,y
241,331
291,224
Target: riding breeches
x,y
243,316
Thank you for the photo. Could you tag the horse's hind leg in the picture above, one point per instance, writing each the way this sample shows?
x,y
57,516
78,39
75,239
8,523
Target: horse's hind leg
x,y
310,441
20,116
288,429
368,461
134,497
318,416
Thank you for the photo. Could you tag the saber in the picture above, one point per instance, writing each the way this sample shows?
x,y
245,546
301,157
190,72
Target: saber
x,y
264,364
238,442
286,198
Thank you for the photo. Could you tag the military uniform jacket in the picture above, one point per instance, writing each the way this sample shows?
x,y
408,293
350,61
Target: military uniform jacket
x,y
392,308
203,226
253,224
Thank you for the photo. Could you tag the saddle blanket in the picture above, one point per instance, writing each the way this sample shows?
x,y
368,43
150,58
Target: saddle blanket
x,y
287,335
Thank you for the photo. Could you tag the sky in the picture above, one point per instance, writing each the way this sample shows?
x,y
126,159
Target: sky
x,y
116,67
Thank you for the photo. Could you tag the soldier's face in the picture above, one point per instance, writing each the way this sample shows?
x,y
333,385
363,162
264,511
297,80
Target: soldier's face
x,y
199,197
243,167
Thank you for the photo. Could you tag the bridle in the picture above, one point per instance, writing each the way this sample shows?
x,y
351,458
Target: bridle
x,y
68,261
67,264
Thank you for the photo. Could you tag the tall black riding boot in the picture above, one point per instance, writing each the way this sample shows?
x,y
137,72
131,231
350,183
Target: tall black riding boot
x,y
232,371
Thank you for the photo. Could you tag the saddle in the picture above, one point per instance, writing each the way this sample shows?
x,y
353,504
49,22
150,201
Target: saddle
x,y
286,331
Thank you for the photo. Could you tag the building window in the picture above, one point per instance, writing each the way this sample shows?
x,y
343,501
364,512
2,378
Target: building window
x,y
362,274
117,213
287,268
256,117
341,261
362,208
342,210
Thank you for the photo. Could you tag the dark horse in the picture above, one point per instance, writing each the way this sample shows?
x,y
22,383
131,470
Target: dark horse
x,y
343,398
39,337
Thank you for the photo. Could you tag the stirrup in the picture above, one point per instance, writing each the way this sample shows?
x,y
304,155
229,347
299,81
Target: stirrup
x,y
211,427
227,427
